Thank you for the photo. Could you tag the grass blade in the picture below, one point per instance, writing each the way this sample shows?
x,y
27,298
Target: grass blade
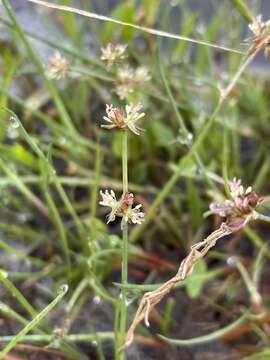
x,y
207,338
32,324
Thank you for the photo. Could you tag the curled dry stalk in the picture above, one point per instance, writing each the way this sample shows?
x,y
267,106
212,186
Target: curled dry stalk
x,y
152,298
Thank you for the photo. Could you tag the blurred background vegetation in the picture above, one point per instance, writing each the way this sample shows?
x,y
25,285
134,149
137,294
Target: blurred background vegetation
x,y
54,159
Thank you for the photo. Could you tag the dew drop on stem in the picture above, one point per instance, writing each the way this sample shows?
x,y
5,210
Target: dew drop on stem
x,y
63,289
14,122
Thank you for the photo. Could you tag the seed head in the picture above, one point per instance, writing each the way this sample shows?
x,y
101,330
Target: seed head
x,y
141,74
58,66
241,206
113,53
125,74
123,91
124,120
130,79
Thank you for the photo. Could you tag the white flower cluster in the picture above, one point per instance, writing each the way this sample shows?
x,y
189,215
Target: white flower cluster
x,y
113,53
122,208
117,118
58,66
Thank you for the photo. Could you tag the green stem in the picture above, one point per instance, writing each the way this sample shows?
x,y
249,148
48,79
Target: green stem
x,y
125,161
32,324
102,336
124,280
94,188
243,9
16,293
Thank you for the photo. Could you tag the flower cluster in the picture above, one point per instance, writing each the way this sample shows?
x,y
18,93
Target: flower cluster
x,y
122,208
113,53
129,79
58,66
261,33
117,118
241,206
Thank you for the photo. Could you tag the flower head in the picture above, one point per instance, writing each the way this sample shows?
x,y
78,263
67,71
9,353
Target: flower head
x,y
122,208
129,79
123,91
241,206
125,74
124,120
141,74
135,215
113,53
261,37
58,66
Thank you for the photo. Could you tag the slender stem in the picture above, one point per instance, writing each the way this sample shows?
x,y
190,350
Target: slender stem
x,y
125,161
94,188
124,280
243,9
102,336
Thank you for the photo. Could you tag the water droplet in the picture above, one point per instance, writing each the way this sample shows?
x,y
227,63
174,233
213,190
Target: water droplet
x,y
128,301
63,141
185,138
96,300
94,343
14,122
22,218
232,260
63,289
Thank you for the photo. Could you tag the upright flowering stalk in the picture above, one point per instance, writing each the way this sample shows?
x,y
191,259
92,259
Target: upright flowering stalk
x,y
125,120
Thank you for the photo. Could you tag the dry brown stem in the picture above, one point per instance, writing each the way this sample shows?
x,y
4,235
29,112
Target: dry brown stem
x,y
152,298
